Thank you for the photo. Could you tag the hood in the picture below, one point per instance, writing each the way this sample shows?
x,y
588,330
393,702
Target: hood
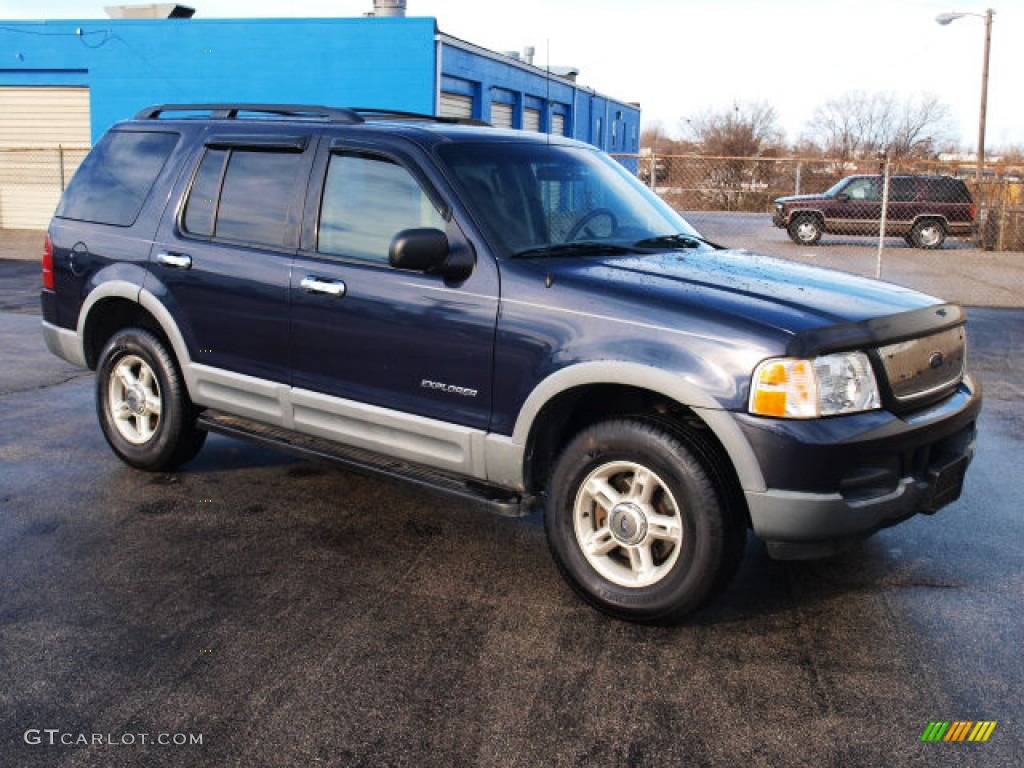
x,y
728,287
802,198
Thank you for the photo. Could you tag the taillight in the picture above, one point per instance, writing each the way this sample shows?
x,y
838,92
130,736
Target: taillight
x,y
974,210
48,264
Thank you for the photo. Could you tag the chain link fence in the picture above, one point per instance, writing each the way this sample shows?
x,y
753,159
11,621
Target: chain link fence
x,y
943,192
947,232
31,182
973,259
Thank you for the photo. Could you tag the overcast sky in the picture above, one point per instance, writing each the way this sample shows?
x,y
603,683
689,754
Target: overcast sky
x,y
679,58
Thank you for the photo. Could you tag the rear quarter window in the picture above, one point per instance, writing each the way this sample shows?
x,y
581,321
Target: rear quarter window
x,y
116,177
948,190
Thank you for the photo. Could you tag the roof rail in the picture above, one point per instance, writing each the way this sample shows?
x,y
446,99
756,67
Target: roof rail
x,y
230,111
375,113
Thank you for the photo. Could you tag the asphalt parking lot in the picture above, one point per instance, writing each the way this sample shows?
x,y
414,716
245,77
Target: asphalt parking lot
x,y
257,610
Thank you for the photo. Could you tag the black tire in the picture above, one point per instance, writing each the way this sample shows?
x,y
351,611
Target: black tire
x,y
928,234
653,556
804,229
143,407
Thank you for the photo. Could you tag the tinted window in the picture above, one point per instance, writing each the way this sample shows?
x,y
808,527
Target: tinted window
x,y
902,189
367,201
115,178
256,197
948,190
244,195
201,208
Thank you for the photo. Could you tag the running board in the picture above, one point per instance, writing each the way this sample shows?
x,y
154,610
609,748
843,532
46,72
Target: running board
x,y
496,500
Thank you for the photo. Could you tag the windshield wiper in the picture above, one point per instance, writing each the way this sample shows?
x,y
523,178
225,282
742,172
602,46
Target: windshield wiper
x,y
582,248
674,241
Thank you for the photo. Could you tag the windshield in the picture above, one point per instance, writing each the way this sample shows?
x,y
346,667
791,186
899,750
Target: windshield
x,y
533,197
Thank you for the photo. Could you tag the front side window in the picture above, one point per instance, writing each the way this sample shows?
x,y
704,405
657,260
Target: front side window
x,y
863,189
243,195
367,200
116,177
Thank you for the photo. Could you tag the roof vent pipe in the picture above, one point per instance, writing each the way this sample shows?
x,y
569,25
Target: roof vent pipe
x,y
389,8
150,11
528,53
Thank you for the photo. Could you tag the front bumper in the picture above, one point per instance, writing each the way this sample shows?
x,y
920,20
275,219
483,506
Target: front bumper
x,y
830,481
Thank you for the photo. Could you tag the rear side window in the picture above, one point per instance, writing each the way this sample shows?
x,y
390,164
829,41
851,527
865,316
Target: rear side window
x,y
116,177
244,195
902,189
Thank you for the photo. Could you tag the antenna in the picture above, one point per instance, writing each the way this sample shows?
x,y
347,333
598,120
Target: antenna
x,y
549,280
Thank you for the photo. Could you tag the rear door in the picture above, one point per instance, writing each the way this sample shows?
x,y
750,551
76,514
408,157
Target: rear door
x,y
905,193
222,263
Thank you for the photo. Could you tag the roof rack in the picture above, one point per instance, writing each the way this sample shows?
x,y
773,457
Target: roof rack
x,y
375,113
349,115
230,111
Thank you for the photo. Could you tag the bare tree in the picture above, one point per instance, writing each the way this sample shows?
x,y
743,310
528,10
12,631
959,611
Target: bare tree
x,y
745,135
745,130
858,124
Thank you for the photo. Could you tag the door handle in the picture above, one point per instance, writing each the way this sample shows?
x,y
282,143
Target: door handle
x,y
176,260
313,284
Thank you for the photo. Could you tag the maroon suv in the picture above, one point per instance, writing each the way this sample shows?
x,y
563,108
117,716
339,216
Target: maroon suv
x,y
923,209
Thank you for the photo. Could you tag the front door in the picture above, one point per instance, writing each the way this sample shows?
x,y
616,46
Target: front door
x,y
857,209
383,357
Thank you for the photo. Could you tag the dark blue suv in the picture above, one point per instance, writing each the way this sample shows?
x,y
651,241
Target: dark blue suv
x,y
506,316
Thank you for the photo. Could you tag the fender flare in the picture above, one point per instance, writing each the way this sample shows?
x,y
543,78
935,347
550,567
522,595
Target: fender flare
x,y
123,289
506,454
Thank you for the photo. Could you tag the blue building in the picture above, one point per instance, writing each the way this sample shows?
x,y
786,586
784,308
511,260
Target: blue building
x,y
63,83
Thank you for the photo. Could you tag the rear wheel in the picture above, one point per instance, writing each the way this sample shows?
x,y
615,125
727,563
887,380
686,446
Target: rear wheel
x,y
804,229
929,234
636,523
143,407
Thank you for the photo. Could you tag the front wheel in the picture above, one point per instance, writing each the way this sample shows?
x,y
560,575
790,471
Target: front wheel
x,y
804,229
637,524
143,407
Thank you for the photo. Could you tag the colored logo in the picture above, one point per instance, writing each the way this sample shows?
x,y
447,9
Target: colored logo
x,y
958,730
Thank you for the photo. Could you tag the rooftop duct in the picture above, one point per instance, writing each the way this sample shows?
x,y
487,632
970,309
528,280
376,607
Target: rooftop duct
x,y
150,11
389,8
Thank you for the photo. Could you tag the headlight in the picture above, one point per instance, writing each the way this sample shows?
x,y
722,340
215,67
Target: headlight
x,y
830,385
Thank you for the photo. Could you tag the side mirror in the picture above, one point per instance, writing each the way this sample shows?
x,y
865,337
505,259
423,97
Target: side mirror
x,y
419,250
428,250
842,197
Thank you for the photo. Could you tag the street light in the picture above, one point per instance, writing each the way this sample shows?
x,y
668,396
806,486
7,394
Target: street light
x,y
948,18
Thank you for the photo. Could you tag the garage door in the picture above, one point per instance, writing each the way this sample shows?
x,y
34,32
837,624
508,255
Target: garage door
x,y
501,115
558,124
531,119
44,134
456,105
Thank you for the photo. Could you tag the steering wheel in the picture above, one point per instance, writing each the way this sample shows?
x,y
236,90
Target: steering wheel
x,y
586,218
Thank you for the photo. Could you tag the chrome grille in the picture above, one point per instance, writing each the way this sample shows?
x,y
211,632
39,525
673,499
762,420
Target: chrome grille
x,y
926,366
